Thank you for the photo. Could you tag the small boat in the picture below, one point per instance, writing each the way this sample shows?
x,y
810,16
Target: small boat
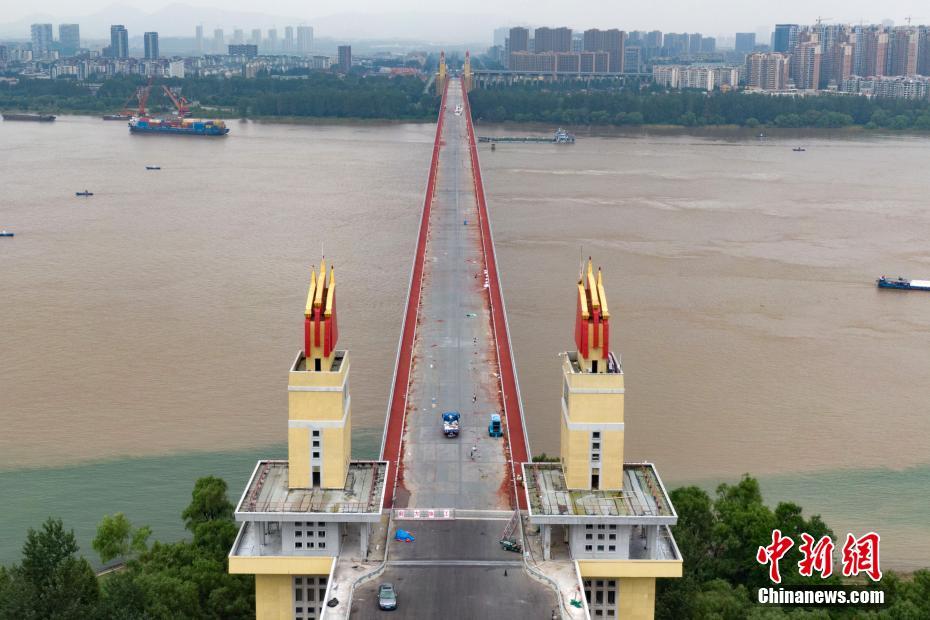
x,y
798,149
117,117
6,233
153,167
903,284
84,193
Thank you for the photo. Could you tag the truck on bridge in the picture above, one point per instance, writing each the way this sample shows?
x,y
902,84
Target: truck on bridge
x,y
450,423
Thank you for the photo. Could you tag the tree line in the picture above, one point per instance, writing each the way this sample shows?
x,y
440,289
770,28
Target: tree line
x,y
314,94
718,538
688,108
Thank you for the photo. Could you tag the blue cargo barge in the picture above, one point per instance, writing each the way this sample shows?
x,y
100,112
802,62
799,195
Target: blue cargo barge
x,y
903,284
183,127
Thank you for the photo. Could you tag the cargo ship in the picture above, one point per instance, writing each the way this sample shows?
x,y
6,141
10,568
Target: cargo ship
x,y
41,118
178,126
904,284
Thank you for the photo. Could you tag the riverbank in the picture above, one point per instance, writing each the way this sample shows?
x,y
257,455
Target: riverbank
x,y
726,131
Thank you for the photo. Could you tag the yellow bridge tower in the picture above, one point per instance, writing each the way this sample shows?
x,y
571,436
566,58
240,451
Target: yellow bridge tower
x,y
467,77
319,435
300,515
613,517
442,74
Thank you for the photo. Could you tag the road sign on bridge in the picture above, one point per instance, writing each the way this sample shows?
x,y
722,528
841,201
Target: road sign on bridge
x,y
424,514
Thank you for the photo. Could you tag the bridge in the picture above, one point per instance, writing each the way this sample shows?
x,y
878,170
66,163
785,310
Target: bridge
x,y
321,532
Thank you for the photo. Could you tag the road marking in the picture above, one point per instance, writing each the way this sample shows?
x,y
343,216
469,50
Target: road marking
x,y
515,563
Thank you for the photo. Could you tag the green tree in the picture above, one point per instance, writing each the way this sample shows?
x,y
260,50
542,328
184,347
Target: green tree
x,y
51,581
116,538
208,503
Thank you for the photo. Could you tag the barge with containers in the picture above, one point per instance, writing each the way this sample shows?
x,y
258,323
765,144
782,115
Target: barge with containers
x,y
177,126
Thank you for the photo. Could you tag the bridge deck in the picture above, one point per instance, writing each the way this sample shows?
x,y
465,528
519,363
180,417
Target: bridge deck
x,y
448,356
454,354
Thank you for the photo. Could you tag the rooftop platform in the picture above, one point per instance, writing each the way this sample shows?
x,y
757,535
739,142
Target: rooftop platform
x,y
643,499
268,498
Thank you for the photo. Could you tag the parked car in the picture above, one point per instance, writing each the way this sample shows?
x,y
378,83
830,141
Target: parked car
x,y
387,597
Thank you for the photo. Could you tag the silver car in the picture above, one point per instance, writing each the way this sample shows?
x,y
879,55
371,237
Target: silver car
x,y
387,597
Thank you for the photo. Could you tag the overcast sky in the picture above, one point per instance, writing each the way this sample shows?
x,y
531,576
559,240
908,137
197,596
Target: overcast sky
x,y
721,17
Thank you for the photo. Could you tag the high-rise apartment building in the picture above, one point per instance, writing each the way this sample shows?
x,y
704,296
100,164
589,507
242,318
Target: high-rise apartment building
x,y
256,38
69,39
219,41
676,44
119,41
238,37
745,42
199,37
829,36
500,36
612,41
345,58
923,50
694,43
767,71
874,42
842,63
632,59
519,39
553,40
41,40
785,38
708,45
150,40
654,39
289,44
304,39
806,59
271,43
902,52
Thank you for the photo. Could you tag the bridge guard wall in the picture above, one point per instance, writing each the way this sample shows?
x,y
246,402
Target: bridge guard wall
x,y
397,401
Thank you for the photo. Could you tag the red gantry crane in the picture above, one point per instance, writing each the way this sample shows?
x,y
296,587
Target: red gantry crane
x,y
180,103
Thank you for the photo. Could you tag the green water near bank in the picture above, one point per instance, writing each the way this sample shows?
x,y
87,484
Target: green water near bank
x,y
893,503
154,491
149,490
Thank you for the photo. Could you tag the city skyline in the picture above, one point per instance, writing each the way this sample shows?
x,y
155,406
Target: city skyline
x,y
352,20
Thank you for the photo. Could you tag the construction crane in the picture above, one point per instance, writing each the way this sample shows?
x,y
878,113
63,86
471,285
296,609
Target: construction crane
x,y
181,104
143,95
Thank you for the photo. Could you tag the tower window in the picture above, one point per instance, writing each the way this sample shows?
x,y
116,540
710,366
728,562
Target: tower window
x,y
316,433
317,364
593,365
596,434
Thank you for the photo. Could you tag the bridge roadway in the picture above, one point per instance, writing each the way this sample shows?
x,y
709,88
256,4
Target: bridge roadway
x,y
455,568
